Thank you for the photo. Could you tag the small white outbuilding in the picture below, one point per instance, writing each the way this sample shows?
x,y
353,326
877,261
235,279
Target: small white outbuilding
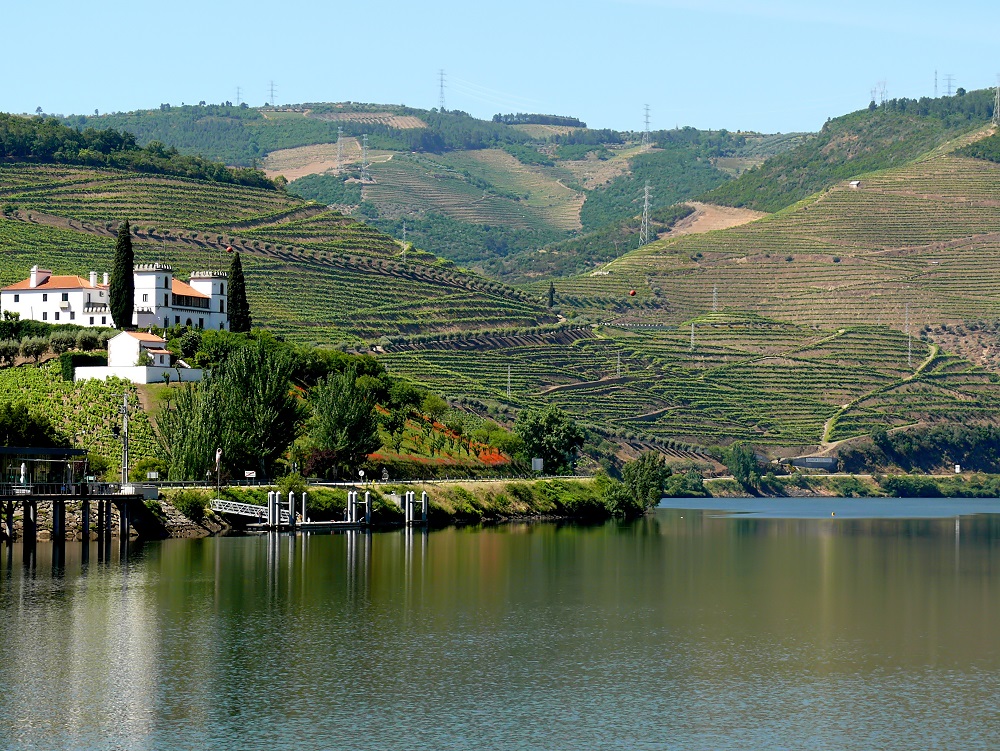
x,y
141,358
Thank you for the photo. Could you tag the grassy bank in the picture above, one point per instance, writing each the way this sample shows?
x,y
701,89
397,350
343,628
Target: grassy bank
x,y
973,485
449,503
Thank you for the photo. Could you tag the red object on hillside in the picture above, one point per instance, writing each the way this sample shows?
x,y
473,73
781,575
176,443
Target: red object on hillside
x,y
229,249
631,293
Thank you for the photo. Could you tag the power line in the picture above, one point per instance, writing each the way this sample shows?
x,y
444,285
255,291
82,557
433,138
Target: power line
x,y
272,90
239,93
340,148
935,84
645,133
715,298
441,94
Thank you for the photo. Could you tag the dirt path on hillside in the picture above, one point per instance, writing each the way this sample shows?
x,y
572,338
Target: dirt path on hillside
x,y
708,217
310,160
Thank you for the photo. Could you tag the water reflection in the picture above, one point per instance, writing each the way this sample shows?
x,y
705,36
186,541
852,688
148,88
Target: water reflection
x,y
685,629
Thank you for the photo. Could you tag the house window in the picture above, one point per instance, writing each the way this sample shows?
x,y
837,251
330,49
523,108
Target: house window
x,y
72,316
92,320
17,298
201,323
104,320
145,298
161,359
45,297
65,296
222,306
222,289
222,327
177,319
57,316
166,300
45,316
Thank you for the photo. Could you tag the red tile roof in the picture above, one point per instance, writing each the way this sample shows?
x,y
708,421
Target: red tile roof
x,y
142,336
182,288
55,282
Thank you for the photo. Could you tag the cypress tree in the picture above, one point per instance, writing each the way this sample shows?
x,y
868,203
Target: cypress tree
x,y
121,290
552,294
239,308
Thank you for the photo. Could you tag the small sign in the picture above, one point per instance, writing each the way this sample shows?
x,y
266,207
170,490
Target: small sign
x,y
250,474
537,465
958,469
152,475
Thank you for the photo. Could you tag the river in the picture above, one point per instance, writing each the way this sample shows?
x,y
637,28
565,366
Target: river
x,y
766,625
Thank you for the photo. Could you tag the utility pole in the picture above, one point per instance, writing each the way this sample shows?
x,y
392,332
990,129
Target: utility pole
x,y
644,229
340,149
715,298
508,381
949,80
619,364
441,90
272,93
239,93
692,336
645,133
935,84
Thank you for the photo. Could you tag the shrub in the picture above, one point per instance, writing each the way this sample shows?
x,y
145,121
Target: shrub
x,y
34,347
191,503
87,340
9,350
60,341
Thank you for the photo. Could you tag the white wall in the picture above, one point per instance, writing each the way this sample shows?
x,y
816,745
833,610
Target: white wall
x,y
139,375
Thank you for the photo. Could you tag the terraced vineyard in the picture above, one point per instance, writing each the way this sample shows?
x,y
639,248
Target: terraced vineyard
x,y
925,236
541,187
403,185
357,287
775,384
81,412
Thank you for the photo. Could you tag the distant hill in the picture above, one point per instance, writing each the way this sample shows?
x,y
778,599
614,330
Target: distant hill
x,y
882,137
481,193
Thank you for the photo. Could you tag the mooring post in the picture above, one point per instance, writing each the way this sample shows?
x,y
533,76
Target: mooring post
x,y
291,508
304,519
28,521
85,519
58,520
107,521
368,508
123,520
9,514
424,502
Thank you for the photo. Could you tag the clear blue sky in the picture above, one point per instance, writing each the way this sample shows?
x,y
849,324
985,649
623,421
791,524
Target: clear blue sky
x,y
782,65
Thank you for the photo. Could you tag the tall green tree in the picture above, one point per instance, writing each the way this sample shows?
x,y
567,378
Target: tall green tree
x,y
343,428
645,478
550,434
246,407
741,461
239,308
121,291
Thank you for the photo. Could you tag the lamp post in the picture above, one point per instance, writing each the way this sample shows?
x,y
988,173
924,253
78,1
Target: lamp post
x,y
218,474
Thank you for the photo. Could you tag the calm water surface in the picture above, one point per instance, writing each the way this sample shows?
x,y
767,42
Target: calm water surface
x,y
691,629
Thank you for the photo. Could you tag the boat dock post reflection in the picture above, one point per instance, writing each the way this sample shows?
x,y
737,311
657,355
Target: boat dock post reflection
x,y
359,559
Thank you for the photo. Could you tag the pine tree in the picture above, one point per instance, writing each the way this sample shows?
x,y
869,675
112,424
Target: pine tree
x,y
552,294
121,291
239,308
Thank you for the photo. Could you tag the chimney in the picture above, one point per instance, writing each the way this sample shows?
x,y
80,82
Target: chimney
x,y
38,276
105,278
93,278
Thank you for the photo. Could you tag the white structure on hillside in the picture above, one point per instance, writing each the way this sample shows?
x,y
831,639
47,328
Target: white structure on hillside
x,y
141,358
160,300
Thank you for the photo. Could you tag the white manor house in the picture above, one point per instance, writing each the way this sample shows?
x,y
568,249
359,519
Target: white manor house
x,y
160,299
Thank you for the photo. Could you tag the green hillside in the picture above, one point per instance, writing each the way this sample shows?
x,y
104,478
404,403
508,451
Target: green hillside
x,y
890,135
746,377
480,193
359,286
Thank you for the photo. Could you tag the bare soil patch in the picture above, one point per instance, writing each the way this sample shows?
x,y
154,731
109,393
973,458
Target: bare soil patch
x,y
403,122
708,217
310,160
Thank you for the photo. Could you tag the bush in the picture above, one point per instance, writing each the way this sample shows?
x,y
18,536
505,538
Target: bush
x,y
70,361
9,350
145,466
87,340
191,503
61,341
34,347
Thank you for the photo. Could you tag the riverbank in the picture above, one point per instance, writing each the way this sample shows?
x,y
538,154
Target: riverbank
x,y
970,485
